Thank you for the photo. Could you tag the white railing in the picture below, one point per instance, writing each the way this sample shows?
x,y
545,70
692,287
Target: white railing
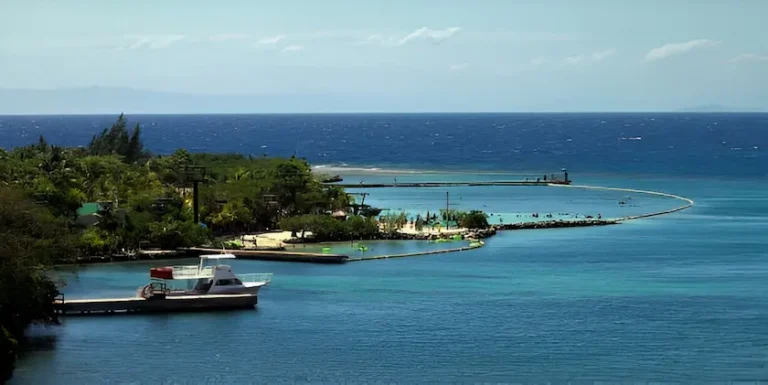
x,y
186,272
255,277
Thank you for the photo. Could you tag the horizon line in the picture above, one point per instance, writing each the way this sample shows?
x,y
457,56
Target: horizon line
x,y
391,113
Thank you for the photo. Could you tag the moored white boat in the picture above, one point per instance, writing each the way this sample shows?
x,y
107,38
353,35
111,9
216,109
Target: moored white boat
x,y
201,280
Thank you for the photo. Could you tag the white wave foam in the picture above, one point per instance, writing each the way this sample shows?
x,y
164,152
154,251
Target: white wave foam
x,y
341,169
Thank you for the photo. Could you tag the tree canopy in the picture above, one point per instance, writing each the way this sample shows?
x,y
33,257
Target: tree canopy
x,y
473,220
238,193
117,141
31,238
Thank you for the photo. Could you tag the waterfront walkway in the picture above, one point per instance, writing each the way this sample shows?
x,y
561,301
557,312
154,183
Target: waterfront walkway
x,y
451,184
473,245
688,202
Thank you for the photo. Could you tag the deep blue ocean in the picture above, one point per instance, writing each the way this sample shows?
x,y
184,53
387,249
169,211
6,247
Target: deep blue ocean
x,y
648,144
676,299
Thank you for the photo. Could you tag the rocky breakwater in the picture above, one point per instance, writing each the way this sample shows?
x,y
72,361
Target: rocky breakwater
x,y
556,224
480,233
469,234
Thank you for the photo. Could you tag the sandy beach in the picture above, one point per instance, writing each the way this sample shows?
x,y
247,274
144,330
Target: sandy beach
x,y
410,228
279,238
271,239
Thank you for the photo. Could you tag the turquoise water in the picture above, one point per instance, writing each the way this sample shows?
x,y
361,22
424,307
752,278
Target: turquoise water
x,y
375,248
510,204
678,298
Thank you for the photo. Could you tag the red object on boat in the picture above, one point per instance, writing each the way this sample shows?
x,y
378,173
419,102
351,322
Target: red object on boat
x,y
161,272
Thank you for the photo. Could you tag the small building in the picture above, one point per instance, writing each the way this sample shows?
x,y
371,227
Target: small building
x,y
339,214
89,214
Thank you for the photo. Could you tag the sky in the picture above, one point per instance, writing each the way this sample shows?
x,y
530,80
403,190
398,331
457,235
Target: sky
x,y
382,56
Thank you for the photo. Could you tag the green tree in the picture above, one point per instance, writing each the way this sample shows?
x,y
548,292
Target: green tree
x,y
419,223
292,224
31,239
359,227
135,148
117,141
42,144
473,220
392,222
170,234
234,216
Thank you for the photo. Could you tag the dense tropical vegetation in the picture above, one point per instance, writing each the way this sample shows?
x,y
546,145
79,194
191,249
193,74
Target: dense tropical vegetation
x,y
147,200
31,238
328,228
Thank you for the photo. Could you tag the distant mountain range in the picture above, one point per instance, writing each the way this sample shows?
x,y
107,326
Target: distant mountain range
x,y
719,108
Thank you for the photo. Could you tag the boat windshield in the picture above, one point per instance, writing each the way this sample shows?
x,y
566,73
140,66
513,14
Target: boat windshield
x,y
192,272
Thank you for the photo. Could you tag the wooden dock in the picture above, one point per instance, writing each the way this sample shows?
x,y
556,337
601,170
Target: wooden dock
x,y
451,184
155,305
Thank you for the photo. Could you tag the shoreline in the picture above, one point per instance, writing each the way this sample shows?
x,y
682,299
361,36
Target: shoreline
x,y
278,252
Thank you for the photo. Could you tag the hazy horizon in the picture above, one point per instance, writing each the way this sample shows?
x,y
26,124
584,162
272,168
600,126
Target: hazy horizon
x,y
116,100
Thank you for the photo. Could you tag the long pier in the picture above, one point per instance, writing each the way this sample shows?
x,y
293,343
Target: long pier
x,y
451,184
688,202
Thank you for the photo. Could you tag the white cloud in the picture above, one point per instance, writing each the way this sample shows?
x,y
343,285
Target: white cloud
x,y
426,33
589,59
423,33
228,37
538,62
271,40
458,67
749,57
602,55
292,48
153,42
328,34
672,49
375,38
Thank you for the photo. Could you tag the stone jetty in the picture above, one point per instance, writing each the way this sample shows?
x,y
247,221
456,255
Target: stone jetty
x,y
556,224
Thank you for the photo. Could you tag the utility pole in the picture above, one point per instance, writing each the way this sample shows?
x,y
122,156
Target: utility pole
x,y
195,174
447,208
356,207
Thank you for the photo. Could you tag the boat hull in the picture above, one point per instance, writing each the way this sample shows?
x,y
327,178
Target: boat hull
x,y
157,304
